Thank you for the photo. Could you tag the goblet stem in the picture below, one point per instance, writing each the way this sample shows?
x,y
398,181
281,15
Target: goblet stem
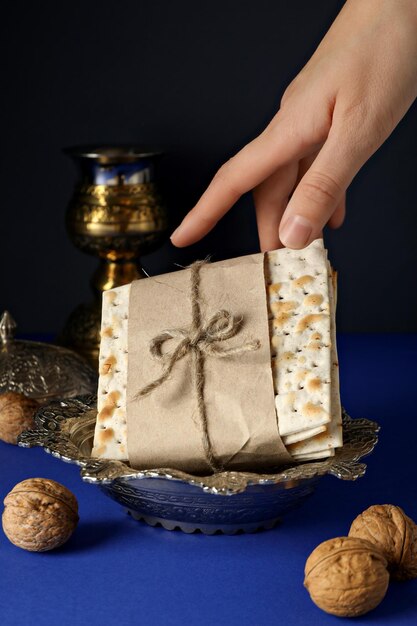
x,y
111,274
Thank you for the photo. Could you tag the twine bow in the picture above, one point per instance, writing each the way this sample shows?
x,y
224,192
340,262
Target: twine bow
x,y
200,340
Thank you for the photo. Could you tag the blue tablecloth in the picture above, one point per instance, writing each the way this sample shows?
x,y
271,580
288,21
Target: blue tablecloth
x,y
115,570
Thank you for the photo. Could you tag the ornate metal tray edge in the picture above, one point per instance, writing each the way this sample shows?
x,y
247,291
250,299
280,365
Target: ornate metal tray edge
x,y
65,428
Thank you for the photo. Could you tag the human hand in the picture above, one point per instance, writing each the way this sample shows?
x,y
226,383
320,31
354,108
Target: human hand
x,y
333,116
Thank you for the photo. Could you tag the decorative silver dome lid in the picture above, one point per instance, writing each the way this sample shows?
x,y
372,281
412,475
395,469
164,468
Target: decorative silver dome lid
x,y
40,370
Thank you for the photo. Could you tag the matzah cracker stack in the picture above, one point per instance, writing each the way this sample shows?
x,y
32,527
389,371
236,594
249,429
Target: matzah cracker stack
x,y
301,300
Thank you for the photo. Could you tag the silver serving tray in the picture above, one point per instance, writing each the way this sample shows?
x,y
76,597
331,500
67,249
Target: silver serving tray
x,y
175,499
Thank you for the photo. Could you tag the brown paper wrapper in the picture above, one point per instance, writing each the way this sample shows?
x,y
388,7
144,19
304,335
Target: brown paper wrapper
x,y
163,428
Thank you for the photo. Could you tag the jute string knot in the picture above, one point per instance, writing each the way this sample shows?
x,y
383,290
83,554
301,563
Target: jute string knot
x,y
199,340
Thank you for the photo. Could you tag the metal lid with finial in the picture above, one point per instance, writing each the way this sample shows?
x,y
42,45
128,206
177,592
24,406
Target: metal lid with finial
x,y
41,370
7,328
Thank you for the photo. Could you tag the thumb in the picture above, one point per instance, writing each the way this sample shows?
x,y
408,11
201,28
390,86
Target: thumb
x,y
318,194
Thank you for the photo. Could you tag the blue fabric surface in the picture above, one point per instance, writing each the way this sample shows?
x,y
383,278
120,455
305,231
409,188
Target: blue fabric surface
x,y
118,571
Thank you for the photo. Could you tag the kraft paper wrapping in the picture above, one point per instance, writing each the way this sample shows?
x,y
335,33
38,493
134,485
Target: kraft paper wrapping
x,y
163,428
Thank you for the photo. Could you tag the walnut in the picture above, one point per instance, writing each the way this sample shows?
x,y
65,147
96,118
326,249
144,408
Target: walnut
x,y
39,515
392,532
16,415
346,576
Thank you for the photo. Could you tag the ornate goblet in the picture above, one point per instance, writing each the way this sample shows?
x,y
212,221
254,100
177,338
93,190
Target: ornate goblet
x,y
116,214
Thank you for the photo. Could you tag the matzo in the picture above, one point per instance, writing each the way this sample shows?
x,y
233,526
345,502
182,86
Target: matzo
x,y
110,438
331,438
326,442
302,357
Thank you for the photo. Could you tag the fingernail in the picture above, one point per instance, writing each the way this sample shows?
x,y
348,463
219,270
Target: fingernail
x,y
296,232
174,233
179,236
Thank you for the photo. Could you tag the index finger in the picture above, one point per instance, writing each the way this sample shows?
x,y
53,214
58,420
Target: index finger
x,y
250,166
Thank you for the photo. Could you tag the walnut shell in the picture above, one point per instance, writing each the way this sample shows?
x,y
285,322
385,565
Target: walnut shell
x,y
346,576
39,515
392,532
16,415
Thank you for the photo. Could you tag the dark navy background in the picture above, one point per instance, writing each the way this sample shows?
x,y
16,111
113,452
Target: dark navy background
x,y
115,571
199,79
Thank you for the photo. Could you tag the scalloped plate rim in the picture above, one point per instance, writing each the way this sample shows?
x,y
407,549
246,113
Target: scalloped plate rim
x,y
83,405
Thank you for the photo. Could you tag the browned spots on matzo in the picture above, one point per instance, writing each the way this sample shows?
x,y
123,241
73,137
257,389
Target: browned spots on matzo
x,y
283,306
316,336
107,365
308,320
107,332
113,397
281,319
312,410
286,356
273,289
106,435
313,299
314,384
106,412
302,281
314,345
